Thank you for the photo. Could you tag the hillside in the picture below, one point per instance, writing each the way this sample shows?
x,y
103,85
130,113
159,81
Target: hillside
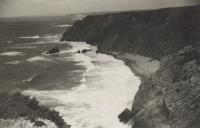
x,y
153,33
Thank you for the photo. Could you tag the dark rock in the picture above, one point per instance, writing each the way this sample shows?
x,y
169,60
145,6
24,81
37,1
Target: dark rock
x,y
17,105
153,33
33,104
39,124
79,51
126,116
83,51
53,50
86,50
171,98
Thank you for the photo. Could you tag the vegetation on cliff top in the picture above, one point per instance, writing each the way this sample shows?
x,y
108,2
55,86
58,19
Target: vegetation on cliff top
x,y
16,106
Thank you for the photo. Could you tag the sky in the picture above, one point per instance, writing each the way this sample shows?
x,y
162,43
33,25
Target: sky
x,y
20,8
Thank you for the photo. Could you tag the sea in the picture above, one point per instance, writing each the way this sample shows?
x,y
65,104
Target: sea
x,y
89,90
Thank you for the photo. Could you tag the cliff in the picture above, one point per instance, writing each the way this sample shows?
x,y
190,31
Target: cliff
x,y
153,33
170,97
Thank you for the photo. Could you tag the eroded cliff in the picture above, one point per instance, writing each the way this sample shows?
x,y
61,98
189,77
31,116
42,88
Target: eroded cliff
x,y
153,33
170,98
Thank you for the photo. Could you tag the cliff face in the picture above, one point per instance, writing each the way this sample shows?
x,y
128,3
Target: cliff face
x,y
153,33
171,98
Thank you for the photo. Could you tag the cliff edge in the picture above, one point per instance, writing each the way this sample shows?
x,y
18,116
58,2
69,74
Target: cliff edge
x,y
170,97
153,33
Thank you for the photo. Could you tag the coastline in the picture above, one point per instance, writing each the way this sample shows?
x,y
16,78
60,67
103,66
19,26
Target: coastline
x,y
168,87
141,66
16,106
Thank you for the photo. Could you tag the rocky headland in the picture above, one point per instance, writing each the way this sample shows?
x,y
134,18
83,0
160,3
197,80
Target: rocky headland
x,y
151,33
170,99
162,47
15,106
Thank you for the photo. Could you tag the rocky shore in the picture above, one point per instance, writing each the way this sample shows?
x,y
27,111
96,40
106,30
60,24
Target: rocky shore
x,y
171,98
168,97
142,66
15,106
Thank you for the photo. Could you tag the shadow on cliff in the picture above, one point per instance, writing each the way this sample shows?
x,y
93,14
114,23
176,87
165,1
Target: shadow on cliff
x,y
171,98
152,33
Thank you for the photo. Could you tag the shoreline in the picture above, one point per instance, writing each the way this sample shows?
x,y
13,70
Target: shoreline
x,y
164,95
141,66
123,86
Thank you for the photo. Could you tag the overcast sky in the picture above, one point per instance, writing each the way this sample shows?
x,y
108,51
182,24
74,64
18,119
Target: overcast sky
x,y
15,8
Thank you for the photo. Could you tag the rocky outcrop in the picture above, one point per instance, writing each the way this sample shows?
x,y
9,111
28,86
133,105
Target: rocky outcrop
x,y
53,50
153,33
126,116
16,106
84,51
171,98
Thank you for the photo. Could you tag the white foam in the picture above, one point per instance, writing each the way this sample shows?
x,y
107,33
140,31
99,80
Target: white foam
x,y
29,79
64,25
78,46
9,42
30,37
107,88
50,36
14,62
38,58
56,41
13,53
23,123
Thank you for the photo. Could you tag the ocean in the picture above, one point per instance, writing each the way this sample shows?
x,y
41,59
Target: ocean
x,y
88,90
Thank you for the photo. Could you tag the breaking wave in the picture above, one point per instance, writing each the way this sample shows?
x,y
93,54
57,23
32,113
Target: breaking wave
x,y
14,62
38,58
29,79
30,37
64,25
13,53
107,87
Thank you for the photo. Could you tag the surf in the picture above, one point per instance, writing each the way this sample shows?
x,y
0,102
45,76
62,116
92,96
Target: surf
x,y
30,37
12,53
106,88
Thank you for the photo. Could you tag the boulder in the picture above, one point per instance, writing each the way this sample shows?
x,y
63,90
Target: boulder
x,y
86,50
53,50
126,116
